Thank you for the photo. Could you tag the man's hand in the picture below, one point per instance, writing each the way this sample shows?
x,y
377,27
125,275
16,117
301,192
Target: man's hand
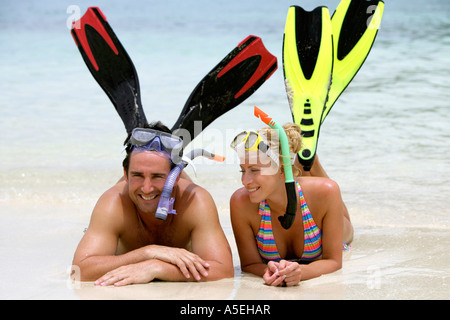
x,y
141,272
186,261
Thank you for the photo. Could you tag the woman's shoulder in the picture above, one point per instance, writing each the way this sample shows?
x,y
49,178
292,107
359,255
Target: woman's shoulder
x,y
318,187
240,195
242,211
240,200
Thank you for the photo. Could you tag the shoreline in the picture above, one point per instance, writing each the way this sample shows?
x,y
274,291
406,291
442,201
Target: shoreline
x,y
385,262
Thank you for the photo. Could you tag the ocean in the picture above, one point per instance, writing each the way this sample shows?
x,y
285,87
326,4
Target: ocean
x,y
386,140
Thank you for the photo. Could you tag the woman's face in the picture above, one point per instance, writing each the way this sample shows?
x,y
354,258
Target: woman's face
x,y
260,177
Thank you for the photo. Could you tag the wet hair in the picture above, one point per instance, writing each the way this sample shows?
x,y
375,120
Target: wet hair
x,y
294,135
158,125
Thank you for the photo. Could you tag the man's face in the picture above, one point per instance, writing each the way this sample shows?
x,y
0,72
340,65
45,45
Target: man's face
x,y
147,175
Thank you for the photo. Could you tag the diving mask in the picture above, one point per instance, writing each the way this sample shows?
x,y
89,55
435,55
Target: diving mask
x,y
143,139
253,141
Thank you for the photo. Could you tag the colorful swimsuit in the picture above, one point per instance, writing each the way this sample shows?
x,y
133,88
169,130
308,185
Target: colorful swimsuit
x,y
312,234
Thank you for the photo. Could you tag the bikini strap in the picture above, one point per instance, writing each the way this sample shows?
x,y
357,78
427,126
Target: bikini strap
x,y
264,208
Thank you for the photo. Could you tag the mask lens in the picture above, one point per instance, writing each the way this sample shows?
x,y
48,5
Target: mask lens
x,y
171,142
251,141
239,138
141,137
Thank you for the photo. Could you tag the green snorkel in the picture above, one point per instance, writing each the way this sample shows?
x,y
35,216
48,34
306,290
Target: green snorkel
x,y
291,208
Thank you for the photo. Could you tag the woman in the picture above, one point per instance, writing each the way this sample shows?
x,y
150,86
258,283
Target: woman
x,y
312,246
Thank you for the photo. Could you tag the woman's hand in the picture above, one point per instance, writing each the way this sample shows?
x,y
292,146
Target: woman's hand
x,y
291,271
283,273
272,275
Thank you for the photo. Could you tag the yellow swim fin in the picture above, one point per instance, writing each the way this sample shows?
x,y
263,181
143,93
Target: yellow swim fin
x,y
308,63
355,25
320,59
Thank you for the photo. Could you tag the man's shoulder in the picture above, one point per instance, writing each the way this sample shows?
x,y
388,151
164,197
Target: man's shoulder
x,y
189,188
115,193
113,201
194,197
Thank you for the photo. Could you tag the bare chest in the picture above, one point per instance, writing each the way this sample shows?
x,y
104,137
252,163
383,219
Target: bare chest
x,y
165,233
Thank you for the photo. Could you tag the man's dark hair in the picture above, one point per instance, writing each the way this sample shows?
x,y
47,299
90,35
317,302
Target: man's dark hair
x,y
158,125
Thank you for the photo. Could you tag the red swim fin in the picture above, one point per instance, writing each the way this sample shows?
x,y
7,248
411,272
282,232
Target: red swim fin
x,y
110,65
228,84
232,81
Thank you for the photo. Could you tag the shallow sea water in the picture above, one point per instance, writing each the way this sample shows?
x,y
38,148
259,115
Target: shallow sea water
x,y
386,142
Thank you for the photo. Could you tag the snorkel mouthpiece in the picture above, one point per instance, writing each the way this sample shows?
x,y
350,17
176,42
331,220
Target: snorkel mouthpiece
x,y
165,205
288,219
166,202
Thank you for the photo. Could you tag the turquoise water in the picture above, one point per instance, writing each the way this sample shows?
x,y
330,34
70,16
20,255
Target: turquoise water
x,y
385,141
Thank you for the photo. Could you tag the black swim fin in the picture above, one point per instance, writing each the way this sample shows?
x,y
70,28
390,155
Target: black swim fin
x,y
232,81
110,65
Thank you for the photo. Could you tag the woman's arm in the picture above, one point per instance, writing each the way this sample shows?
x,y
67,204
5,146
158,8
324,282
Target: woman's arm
x,y
243,213
332,229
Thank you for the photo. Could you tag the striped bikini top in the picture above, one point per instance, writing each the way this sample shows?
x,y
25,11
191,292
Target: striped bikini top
x,y
266,242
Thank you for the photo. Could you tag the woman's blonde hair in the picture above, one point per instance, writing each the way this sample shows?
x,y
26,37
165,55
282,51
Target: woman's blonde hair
x,y
294,135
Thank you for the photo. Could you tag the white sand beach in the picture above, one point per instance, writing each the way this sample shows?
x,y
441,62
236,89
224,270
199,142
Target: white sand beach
x,y
385,142
384,262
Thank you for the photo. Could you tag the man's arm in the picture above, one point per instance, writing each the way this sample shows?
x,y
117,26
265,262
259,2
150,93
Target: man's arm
x,y
208,239
96,252
210,258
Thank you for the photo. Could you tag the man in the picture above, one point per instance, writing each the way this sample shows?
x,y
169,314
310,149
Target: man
x,y
126,244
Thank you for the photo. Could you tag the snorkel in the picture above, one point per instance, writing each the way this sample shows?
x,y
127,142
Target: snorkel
x,y
165,205
288,219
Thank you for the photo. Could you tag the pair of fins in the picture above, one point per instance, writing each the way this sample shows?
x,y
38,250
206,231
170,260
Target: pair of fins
x,y
320,58
228,84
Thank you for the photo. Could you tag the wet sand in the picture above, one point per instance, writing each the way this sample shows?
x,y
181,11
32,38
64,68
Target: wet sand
x,y
385,262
